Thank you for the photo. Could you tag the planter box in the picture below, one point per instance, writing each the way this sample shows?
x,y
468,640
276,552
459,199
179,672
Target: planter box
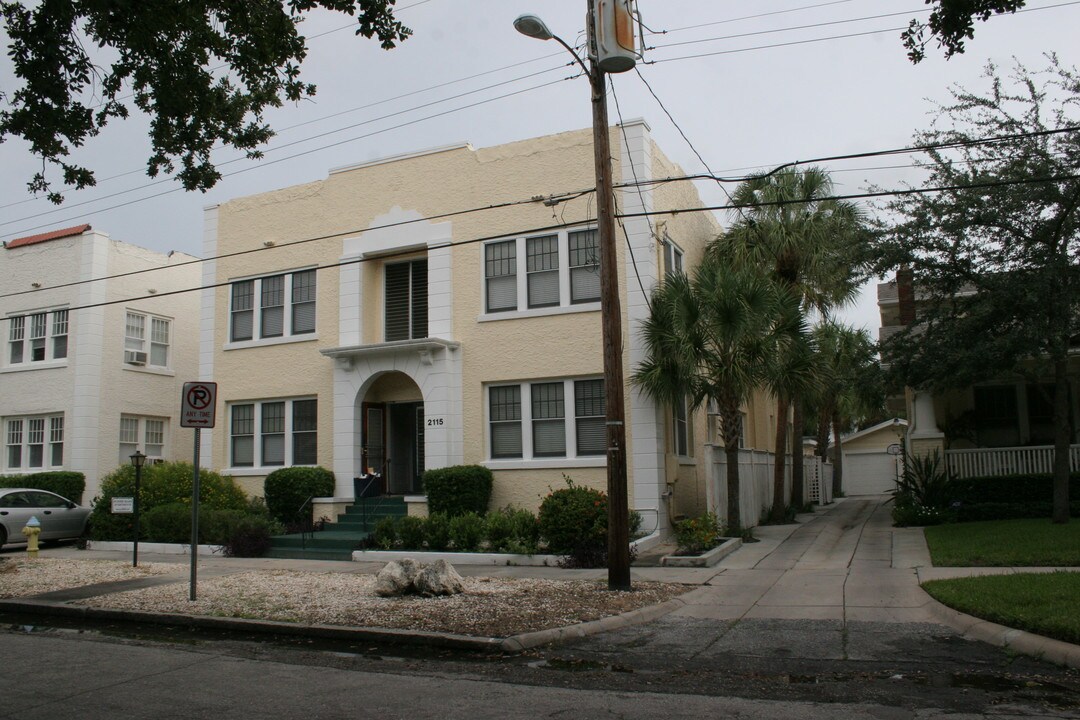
x,y
153,547
706,559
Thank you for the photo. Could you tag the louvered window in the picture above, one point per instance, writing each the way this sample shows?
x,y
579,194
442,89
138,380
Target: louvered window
x,y
406,301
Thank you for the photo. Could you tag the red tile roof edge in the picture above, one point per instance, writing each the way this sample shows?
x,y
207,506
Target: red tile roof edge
x,y
45,237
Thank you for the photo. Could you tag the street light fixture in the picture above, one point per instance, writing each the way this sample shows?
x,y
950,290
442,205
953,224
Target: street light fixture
x,y
137,460
610,305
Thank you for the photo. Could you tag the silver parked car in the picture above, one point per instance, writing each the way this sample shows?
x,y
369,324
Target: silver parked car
x,y
59,517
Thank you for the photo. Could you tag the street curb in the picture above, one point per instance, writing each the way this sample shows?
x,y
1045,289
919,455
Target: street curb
x,y
511,644
1021,641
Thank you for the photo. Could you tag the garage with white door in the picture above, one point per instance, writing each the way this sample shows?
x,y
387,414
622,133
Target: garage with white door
x,y
872,460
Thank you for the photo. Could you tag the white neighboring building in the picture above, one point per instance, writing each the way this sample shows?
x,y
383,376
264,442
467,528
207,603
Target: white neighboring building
x,y
95,352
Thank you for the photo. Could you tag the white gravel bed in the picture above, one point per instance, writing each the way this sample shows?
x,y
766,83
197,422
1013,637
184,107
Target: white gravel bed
x,y
23,577
489,607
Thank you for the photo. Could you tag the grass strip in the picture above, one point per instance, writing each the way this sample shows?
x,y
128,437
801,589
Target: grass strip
x,y
1005,543
1041,603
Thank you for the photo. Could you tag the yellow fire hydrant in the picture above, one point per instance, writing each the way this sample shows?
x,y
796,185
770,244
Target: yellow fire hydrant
x,y
31,531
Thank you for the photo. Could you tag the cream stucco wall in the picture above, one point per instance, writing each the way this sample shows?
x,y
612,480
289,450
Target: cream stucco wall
x,y
370,214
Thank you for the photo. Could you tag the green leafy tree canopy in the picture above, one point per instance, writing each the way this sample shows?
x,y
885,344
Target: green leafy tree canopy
x,y
951,22
203,73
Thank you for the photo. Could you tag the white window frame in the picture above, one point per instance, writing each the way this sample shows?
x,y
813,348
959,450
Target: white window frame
x,y
571,458
145,340
258,466
146,429
673,256
53,330
682,429
50,435
289,305
522,274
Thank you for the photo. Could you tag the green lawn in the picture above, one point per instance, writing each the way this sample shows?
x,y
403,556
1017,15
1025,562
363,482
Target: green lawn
x,y
1005,543
1042,603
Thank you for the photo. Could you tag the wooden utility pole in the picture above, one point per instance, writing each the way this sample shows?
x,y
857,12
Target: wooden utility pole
x,y
611,320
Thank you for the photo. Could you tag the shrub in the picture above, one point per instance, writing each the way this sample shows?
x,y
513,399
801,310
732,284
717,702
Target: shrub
x,y
69,484
384,535
525,534
697,535
925,482
458,489
437,531
634,523
162,484
287,489
169,523
467,532
410,530
250,536
573,520
499,529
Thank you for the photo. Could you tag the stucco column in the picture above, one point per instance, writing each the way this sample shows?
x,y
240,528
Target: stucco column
x,y
925,436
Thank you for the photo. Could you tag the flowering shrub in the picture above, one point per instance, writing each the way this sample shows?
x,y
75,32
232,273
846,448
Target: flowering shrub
x,y
697,535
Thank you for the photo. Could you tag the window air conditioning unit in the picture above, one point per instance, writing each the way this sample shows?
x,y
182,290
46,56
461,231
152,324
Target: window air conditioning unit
x,y
154,460
134,357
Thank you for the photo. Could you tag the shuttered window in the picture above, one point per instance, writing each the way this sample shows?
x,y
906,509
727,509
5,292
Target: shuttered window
x,y
406,312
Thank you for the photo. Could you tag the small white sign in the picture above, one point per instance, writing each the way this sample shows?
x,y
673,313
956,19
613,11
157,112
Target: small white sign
x,y
123,505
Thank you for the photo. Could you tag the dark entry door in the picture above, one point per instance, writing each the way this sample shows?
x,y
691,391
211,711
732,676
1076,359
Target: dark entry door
x,y
373,439
406,451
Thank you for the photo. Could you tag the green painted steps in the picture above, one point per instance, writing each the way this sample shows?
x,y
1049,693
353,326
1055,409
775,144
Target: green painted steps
x,y
338,540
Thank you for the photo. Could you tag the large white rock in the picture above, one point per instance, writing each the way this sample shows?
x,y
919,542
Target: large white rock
x,y
397,578
438,578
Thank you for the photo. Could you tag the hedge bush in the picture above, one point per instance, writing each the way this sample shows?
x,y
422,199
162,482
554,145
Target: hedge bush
x,y
458,489
1011,489
573,520
162,484
410,532
466,532
437,531
286,490
695,536
250,536
71,485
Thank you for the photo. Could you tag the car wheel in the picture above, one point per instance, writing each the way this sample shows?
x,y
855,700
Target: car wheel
x,y
3,536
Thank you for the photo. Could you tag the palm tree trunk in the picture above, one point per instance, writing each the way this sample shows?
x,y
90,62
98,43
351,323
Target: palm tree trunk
x,y
779,503
823,434
730,422
798,496
838,461
1061,441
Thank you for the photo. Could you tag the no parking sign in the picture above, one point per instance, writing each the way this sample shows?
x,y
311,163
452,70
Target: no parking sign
x,y
198,405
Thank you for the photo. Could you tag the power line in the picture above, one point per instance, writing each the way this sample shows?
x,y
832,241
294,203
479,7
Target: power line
x,y
308,152
748,17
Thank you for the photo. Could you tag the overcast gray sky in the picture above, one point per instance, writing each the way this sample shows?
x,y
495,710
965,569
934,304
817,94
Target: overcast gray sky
x,y
773,81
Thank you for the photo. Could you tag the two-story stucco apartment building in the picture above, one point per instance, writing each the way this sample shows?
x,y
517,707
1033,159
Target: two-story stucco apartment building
x,y
92,362
441,308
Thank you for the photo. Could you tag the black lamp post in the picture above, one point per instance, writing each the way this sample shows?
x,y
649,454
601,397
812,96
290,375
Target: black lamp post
x,y
138,460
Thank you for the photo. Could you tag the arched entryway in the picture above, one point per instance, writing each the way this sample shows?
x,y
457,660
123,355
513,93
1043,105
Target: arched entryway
x,y
392,432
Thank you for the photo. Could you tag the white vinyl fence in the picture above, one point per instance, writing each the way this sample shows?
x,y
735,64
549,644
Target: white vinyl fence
x,y
756,482
981,462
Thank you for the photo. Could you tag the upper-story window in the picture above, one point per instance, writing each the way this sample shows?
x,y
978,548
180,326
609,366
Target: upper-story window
x,y
146,340
273,306
39,337
406,301
673,257
543,271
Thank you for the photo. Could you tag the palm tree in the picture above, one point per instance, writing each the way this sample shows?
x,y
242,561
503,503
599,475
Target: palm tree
x,y
811,244
710,337
852,387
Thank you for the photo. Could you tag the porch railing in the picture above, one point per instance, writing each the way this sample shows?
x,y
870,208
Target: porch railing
x,y
980,462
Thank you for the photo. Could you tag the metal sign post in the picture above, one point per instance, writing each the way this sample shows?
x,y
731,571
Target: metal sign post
x,y
198,406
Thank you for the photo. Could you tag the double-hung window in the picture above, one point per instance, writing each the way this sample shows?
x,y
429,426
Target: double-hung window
x,y
273,433
406,312
541,272
273,306
681,428
146,339
145,434
550,419
673,257
34,443
39,337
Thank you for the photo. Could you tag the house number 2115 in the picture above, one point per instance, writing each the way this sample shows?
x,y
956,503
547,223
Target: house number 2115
x,y
434,422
